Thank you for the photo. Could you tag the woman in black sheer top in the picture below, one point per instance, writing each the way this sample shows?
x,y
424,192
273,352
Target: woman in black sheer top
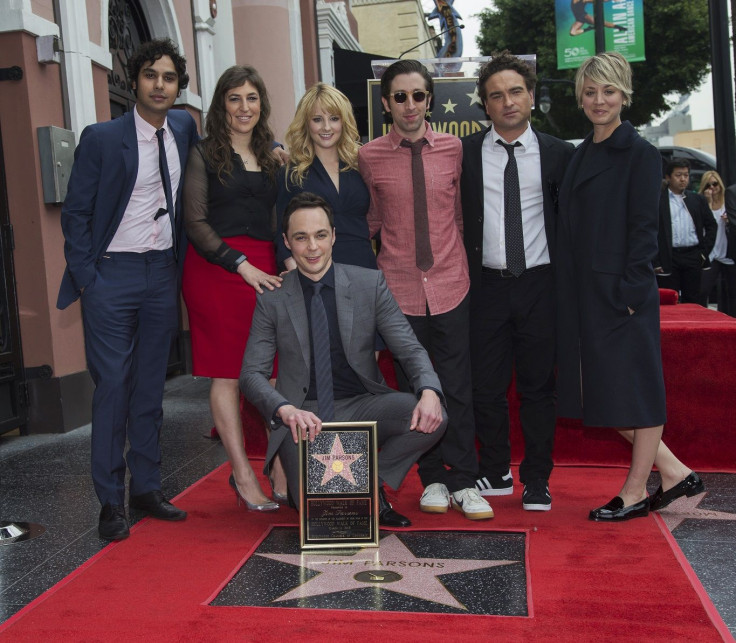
x,y
229,197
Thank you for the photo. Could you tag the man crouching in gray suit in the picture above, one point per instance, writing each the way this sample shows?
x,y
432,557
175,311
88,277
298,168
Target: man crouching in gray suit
x,y
339,308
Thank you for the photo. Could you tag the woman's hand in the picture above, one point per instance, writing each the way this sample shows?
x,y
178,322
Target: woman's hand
x,y
257,278
281,155
289,264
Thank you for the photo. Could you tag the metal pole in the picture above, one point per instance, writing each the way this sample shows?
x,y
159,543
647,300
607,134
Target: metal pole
x,y
600,33
723,100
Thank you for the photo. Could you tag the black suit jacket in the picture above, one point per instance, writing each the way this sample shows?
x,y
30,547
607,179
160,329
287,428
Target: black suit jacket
x,y
705,227
554,156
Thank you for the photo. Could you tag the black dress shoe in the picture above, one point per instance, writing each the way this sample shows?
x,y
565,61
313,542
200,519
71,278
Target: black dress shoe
x,y
155,505
113,523
690,486
387,517
615,511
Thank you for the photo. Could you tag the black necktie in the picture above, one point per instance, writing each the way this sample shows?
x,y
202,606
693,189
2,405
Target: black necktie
x,y
515,259
163,168
321,356
425,259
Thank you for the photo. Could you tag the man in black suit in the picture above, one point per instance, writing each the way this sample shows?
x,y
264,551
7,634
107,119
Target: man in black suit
x,y
687,233
511,284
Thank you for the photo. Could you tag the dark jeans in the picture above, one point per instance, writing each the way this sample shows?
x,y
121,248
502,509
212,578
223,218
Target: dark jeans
x,y
445,337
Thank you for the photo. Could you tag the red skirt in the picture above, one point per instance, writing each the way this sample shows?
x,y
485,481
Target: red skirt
x,y
220,306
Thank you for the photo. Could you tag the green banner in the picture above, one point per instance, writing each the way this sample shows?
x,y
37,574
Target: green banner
x,y
574,20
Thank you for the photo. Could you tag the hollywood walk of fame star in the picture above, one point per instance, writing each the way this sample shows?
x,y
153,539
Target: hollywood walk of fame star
x,y
687,508
393,563
449,106
474,98
337,462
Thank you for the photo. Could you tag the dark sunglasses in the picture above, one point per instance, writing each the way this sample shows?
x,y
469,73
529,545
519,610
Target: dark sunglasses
x,y
417,96
712,185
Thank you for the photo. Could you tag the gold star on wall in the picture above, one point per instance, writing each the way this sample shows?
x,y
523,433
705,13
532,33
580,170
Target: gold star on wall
x,y
474,98
449,106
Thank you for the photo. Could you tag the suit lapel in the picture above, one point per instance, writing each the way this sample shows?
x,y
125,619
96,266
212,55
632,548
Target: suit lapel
x,y
182,146
344,308
297,311
474,164
588,170
130,156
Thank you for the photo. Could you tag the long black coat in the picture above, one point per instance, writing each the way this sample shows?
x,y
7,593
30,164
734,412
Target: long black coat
x,y
609,361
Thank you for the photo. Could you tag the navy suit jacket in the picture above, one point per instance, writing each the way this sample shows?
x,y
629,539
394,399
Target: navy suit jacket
x,y
102,180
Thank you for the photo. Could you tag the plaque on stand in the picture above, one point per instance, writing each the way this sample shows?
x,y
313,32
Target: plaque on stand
x,y
338,487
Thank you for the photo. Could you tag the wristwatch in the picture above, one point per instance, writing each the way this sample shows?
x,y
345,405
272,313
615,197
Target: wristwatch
x,y
239,260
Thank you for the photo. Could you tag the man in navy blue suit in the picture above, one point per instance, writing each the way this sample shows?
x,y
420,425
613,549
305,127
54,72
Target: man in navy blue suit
x,y
123,246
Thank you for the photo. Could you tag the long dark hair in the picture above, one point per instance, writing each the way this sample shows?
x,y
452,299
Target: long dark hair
x,y
216,147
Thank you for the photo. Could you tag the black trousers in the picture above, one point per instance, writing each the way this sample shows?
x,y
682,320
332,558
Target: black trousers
x,y
686,275
445,338
721,277
512,328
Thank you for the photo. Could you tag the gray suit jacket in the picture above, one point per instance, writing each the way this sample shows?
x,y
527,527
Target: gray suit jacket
x,y
364,305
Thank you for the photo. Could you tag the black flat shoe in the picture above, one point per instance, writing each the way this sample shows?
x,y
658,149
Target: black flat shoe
x,y
387,517
155,505
690,486
113,524
615,511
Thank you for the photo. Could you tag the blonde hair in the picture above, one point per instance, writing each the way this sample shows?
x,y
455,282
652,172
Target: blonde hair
x,y
301,147
608,68
709,176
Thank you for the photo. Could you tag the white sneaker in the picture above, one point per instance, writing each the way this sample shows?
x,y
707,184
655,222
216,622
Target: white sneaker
x,y
471,504
435,499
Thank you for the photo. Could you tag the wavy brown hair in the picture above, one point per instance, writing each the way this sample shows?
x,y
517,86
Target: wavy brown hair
x,y
216,146
299,142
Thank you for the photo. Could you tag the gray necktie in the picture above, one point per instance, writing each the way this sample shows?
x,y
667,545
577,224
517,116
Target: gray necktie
x,y
515,259
321,356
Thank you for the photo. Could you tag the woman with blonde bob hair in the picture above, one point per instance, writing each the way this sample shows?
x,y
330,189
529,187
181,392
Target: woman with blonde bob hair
x,y
721,257
608,344
323,143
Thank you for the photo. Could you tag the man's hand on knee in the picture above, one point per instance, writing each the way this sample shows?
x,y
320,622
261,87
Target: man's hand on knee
x,y
304,423
427,416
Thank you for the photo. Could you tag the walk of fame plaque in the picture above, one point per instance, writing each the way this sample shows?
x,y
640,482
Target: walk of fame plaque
x,y
338,487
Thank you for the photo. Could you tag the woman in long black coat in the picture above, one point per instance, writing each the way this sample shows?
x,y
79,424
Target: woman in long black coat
x,y
609,358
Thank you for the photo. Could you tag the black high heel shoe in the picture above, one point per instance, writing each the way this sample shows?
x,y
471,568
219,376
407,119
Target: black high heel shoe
x,y
266,506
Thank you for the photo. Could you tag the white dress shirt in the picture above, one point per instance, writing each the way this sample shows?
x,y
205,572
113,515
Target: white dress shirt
x,y
138,232
528,161
683,226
